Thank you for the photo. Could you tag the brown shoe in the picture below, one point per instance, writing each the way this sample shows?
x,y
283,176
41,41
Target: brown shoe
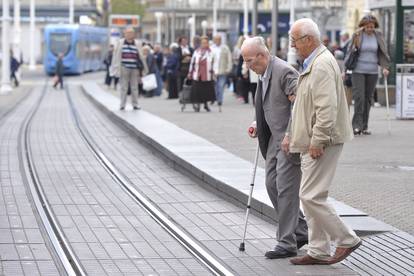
x,y
341,253
308,260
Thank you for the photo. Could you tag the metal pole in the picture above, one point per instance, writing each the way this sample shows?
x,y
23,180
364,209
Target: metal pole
x,y
173,22
387,105
193,27
214,17
275,20
246,18
71,11
5,65
32,62
291,56
254,18
249,200
158,16
16,29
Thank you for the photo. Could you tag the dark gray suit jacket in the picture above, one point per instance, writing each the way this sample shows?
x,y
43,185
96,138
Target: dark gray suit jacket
x,y
273,113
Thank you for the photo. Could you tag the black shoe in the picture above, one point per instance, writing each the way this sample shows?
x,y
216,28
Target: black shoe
x,y
279,253
207,108
300,244
122,108
357,131
137,107
366,132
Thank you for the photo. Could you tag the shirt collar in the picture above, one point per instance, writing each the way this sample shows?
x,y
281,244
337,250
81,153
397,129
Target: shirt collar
x,y
268,71
310,58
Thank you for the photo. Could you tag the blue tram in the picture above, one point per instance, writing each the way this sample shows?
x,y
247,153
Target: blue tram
x,y
84,48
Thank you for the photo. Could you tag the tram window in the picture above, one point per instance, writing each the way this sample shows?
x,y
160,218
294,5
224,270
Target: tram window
x,y
60,43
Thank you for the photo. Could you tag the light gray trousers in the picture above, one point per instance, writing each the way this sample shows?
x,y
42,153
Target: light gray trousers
x,y
129,77
282,184
323,221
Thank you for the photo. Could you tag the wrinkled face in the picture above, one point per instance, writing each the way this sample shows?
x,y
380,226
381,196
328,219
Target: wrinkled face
x,y
255,60
204,44
129,34
300,42
217,40
369,28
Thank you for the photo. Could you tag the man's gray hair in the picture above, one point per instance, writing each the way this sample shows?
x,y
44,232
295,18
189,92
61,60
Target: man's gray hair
x,y
308,27
256,42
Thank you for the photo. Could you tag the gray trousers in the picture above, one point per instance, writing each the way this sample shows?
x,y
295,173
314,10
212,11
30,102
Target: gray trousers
x,y
129,77
282,184
363,86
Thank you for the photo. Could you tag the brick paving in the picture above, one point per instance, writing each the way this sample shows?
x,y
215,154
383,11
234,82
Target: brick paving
x,y
108,231
375,173
212,220
24,249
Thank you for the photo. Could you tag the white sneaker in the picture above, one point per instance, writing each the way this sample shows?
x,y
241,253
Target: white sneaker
x,y
377,104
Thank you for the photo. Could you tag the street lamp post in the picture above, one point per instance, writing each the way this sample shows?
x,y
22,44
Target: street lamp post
x,y
16,29
254,18
291,55
214,17
275,20
71,11
246,18
191,23
5,78
204,25
158,16
32,63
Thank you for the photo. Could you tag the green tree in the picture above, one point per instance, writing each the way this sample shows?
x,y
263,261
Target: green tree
x,y
127,7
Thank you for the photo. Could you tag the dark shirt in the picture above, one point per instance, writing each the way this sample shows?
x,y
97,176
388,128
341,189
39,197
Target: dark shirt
x,y
159,59
173,64
14,64
59,67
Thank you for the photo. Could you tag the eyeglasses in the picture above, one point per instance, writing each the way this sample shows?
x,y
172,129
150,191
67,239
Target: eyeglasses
x,y
293,40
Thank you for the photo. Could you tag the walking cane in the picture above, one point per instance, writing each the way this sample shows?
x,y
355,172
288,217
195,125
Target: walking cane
x,y
388,105
242,247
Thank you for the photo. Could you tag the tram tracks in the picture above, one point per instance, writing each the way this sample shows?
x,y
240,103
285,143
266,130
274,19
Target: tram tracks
x,y
62,247
167,224
60,244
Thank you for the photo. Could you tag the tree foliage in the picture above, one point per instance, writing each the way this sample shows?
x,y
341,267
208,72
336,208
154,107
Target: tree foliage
x,y
127,7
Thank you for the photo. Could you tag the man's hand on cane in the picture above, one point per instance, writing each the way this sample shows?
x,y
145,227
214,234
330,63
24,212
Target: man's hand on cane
x,y
252,130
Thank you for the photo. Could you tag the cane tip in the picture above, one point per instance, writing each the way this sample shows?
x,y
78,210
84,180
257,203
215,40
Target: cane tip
x,y
241,247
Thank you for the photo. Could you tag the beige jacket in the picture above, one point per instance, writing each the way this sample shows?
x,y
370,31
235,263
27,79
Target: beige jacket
x,y
320,113
225,62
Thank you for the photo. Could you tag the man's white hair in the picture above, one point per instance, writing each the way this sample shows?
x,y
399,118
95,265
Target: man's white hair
x,y
256,42
308,27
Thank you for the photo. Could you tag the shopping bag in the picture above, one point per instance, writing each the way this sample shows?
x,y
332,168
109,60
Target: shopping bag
x,y
149,82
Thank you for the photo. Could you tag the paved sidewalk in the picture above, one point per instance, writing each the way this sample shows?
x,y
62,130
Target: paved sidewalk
x,y
211,219
375,173
158,134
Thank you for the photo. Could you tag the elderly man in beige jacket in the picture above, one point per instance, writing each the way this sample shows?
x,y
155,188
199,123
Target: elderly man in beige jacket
x,y
320,126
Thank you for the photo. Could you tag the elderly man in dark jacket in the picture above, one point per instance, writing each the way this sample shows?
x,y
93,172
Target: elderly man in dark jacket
x,y
275,92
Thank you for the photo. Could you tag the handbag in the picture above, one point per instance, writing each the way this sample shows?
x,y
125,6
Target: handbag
x,y
352,60
149,82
